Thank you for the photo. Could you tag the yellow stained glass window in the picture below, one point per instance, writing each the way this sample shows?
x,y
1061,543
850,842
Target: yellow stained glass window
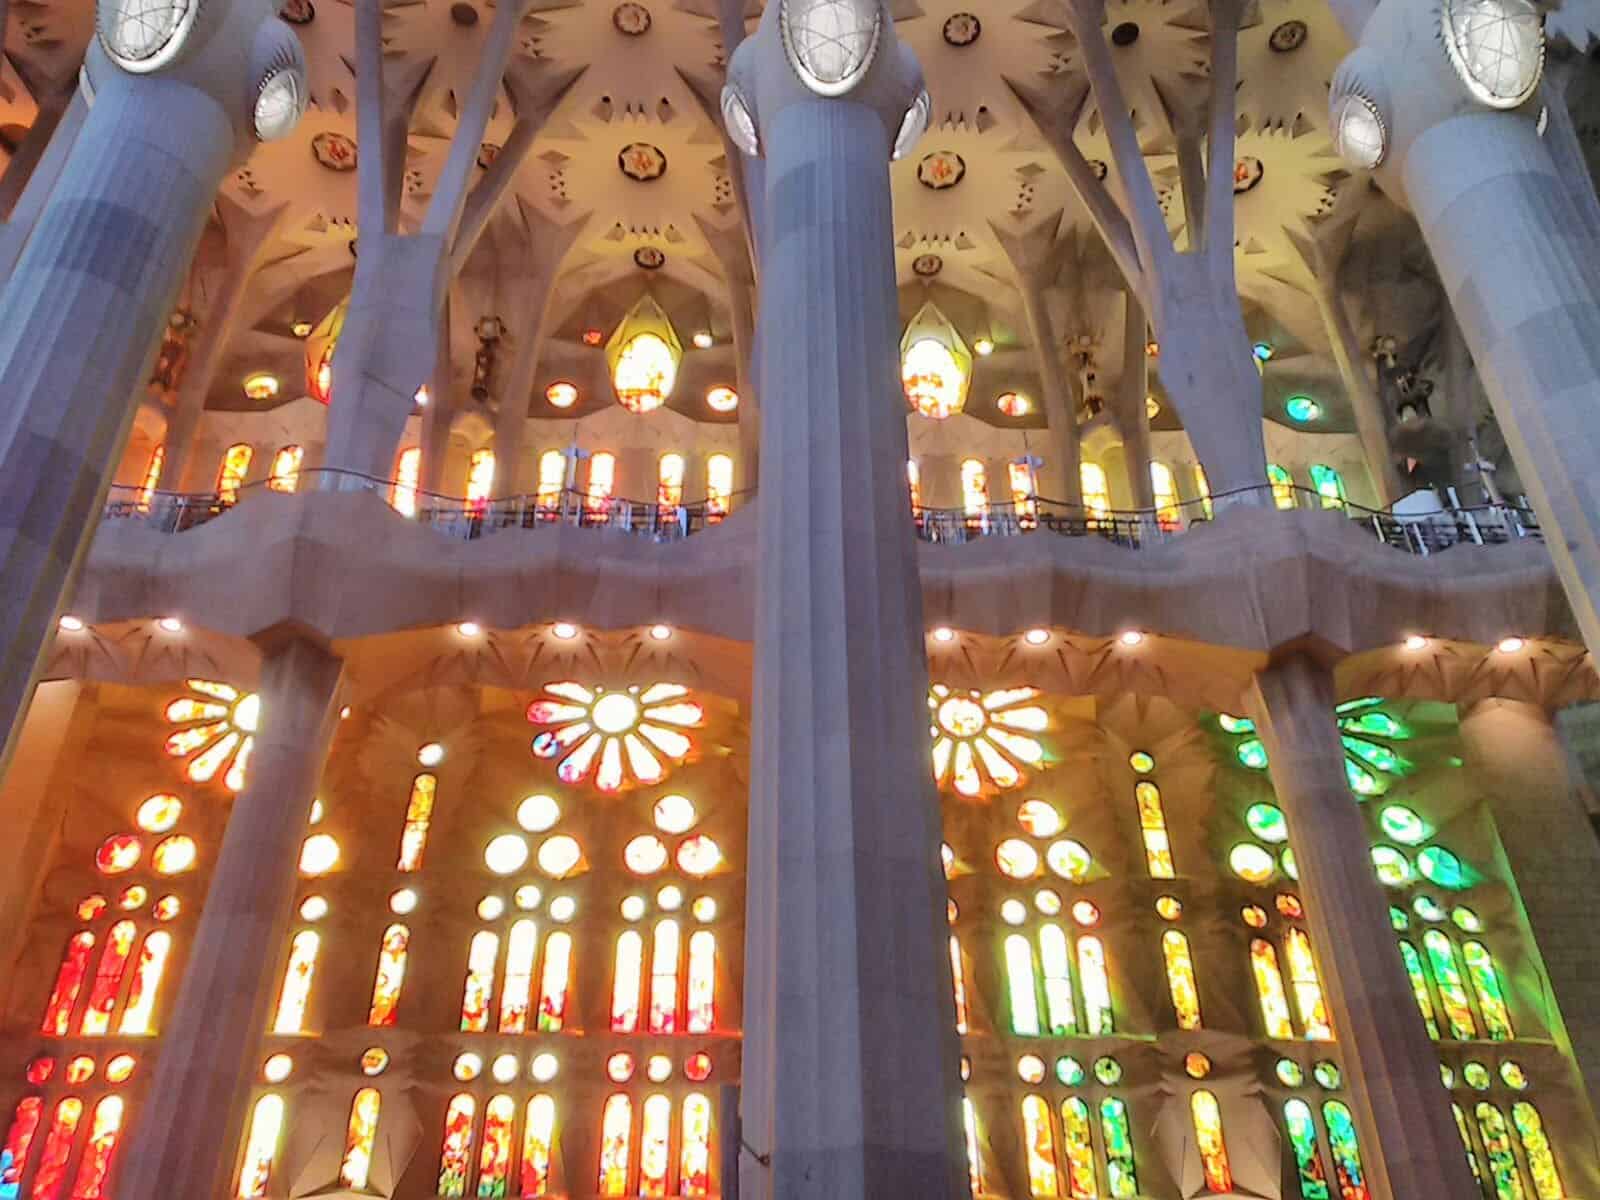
x,y
390,976
602,479
360,1135
1269,989
694,1159
1096,489
1208,1137
974,487
1038,1142
616,1136
455,1160
1164,489
261,1147
1282,485
1307,988
538,1135
235,465
552,478
419,813
1180,979
480,477
482,956
1153,829
719,486
152,477
297,982
669,480
407,471
1024,493
138,1014
285,476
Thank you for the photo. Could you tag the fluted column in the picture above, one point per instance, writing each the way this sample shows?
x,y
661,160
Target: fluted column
x,y
1409,1142
187,1136
850,1072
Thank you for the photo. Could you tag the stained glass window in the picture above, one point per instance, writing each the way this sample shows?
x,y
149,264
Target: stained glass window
x,y
1039,1144
694,1159
1529,1125
480,477
1419,987
1024,492
1269,989
1153,829
1020,986
553,982
407,471
360,1135
1307,988
552,478
1447,978
958,974
1207,1116
1164,488
1282,485
1346,1153
1486,984
51,1172
616,1135
664,978
96,1017
390,975
517,994
627,982
974,487
261,1146
455,1161
1119,1149
147,489
538,1135
602,480
914,483
285,476
482,956
138,1014
719,486
494,1159
104,1128
1329,484
297,982
1078,1150
613,735
1502,1160
1096,490
69,981
235,465
702,981
669,480
1466,1142
1180,979
14,1150
1096,987
1055,957
654,1156
1303,1139
419,813
1202,487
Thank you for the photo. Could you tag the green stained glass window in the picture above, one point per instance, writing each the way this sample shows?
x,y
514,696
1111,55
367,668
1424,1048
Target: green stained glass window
x,y
1502,1161
1346,1151
1465,919
1069,1071
1403,824
1513,1075
1441,867
1491,996
1327,1074
1303,1137
1447,1075
1541,1162
1466,1141
1374,721
1290,1073
1476,1076
1394,869
1252,753
1267,823
1141,762
1428,908
1329,484
1362,781
1108,1071
1419,987
1290,867
1233,724
1447,978
1398,918
1078,1150
1119,1148
1375,754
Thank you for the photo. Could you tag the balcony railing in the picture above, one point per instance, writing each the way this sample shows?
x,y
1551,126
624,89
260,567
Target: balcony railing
x,y
1418,532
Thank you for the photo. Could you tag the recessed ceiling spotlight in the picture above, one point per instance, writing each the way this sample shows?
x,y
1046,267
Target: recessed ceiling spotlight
x,y
1510,645
170,625
565,630
469,629
71,623
984,346
1416,641
661,632
1130,637
420,396
1036,637
944,634
703,340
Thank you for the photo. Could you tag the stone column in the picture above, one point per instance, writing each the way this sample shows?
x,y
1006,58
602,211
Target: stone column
x,y
82,313
1129,411
1522,768
1409,1142
850,1075
187,1135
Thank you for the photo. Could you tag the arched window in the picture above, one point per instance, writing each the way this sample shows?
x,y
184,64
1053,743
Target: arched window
x,y
235,466
1485,984
1096,987
419,812
602,479
108,979
1419,986
285,476
1447,978
104,1128
1346,1153
669,480
52,1170
1466,1142
958,974
480,477
1269,989
719,486
702,981
297,982
1020,986
1307,989
1119,1147
455,1160
1055,957
1529,1125
494,1159
152,477
552,478
664,978
1024,492
1282,485
1202,487
138,1014
1207,1116
655,1134
694,1160
407,470
261,1146
914,483
1077,1149
1153,829
19,1140
517,994
616,1137
553,982
1164,489
359,1138
1303,1138
1180,980
1497,1144
627,982
538,1135
69,981
1038,1143
390,976
974,487
1329,484
969,1121
482,956
1096,490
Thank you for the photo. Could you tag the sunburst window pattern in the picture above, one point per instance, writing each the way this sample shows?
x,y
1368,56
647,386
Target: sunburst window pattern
x,y
216,731
982,741
620,737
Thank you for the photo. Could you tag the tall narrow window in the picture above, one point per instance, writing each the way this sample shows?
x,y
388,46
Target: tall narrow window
x,y
959,976
235,466
1202,487
152,476
553,982
1078,1150
517,994
1207,1116
1307,988
455,1159
669,480
1164,488
1024,492
1180,979
914,483
494,1159
285,475
1466,1142
419,813
1039,1144
616,1136
482,956
1153,829
664,978
1282,485
1497,1144
627,983
974,488
602,479
1055,958
1096,987
359,1137
654,1136
297,982
1119,1149
538,1135
1485,983
108,979
138,1015
1419,987
1447,978
480,477
1529,1125
694,1159
1020,986
552,478
969,1122
1269,989
1329,484
1303,1138
69,982
390,976
702,981
1096,489
261,1146
407,470
1347,1171
719,487
19,1138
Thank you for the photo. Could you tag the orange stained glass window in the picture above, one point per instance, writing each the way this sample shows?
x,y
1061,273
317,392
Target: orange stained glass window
x,y
419,813
390,976
914,483
669,480
719,486
616,1136
1153,829
1164,488
297,977
538,1135
494,1159
1208,1138
1024,493
1307,989
1077,1149
235,465
602,481
1269,989
552,478
1096,490
480,477
974,487
702,981
152,476
654,1156
51,1172
664,978
517,994
694,1159
475,998
455,1161
626,984
19,1138
553,983
1055,957
407,471
1096,986
95,1165
285,476
1039,1143
96,1017
69,981
958,974
969,1122
261,1146
138,1015
359,1137
1180,979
